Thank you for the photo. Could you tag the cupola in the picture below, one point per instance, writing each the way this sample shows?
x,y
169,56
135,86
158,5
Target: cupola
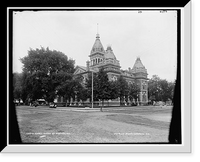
x,y
109,53
97,47
138,66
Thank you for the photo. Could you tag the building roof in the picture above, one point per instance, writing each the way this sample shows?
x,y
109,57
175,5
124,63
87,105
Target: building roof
x,y
138,66
109,53
83,69
97,47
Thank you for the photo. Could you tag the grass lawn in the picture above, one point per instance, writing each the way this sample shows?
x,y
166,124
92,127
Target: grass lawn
x,y
79,125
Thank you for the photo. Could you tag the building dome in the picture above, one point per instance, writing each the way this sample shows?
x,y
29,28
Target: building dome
x,y
109,53
138,63
138,66
97,47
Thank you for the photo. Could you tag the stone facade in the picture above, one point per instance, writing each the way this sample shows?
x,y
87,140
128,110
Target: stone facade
x,y
107,59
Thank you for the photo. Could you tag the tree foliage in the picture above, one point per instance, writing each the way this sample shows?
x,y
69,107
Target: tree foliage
x,y
133,91
160,89
123,89
89,86
103,92
113,89
72,88
103,89
47,61
44,70
17,86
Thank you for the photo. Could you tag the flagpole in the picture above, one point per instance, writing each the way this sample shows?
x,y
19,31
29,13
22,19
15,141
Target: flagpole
x,y
92,90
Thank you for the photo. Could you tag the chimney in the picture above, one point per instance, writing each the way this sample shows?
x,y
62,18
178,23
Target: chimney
x,y
88,65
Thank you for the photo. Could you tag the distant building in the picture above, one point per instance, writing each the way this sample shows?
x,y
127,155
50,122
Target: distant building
x,y
100,58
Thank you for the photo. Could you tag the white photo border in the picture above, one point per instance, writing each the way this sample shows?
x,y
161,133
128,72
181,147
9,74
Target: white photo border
x,y
158,148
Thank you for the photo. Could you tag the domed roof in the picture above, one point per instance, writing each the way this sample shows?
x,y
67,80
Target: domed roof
x,y
97,47
138,63
109,53
138,66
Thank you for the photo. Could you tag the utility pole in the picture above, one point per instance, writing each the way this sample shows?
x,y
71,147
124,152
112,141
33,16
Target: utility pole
x,y
90,70
92,90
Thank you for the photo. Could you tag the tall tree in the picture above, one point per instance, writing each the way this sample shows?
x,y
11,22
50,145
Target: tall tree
x,y
160,89
72,88
123,89
171,89
80,89
45,70
103,86
113,89
48,61
154,88
164,90
133,91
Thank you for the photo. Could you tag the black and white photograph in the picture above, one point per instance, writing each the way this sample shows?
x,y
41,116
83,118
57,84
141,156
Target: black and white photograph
x,y
96,77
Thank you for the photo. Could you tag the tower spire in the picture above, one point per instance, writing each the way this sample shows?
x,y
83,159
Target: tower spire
x,y
97,28
97,36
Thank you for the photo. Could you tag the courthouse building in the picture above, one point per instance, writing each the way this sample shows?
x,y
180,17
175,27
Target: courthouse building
x,y
101,58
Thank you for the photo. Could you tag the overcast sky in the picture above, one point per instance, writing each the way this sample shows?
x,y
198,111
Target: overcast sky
x,y
150,35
